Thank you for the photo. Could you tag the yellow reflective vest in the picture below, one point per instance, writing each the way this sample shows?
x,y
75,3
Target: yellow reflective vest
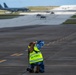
x,y
35,56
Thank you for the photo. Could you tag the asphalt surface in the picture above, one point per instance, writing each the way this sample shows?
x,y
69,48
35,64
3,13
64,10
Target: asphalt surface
x,y
59,51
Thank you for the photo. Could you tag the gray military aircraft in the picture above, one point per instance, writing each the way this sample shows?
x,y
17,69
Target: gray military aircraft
x,y
13,9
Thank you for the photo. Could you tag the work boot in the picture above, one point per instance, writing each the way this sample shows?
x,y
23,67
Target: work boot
x,y
37,69
31,71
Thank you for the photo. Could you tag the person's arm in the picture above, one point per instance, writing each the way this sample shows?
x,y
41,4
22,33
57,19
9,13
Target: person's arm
x,y
31,48
40,44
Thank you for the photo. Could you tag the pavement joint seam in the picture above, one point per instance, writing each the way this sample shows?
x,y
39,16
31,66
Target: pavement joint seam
x,y
60,40
62,65
57,41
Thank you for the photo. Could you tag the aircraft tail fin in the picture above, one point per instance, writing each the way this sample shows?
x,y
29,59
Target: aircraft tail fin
x,y
5,6
1,6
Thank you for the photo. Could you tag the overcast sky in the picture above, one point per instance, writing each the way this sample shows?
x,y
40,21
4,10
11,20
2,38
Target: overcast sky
x,y
23,3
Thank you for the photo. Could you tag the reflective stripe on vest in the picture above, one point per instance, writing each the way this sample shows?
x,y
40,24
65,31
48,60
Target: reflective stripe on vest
x,y
35,57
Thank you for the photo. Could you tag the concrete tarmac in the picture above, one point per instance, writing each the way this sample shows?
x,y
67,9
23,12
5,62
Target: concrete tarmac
x,y
59,51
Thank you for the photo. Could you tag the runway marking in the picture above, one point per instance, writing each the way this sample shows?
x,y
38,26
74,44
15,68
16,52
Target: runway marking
x,y
59,41
17,54
2,61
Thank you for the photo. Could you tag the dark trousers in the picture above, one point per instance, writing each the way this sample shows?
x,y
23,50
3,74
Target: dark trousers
x,y
39,66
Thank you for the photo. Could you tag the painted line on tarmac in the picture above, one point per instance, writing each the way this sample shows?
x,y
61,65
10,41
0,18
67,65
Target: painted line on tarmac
x,y
17,54
1,61
61,39
57,41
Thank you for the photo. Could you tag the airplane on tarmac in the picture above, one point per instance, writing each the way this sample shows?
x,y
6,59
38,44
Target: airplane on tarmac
x,y
13,9
1,6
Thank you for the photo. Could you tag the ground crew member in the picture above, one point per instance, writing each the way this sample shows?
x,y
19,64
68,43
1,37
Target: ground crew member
x,y
35,59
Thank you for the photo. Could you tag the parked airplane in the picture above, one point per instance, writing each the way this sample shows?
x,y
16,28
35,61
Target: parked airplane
x,y
1,6
13,9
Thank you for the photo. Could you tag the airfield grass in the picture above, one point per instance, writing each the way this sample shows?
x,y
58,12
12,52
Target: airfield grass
x,y
4,15
9,16
2,11
72,20
41,8
74,16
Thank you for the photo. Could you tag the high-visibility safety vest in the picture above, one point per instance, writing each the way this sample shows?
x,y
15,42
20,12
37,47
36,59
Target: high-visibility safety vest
x,y
35,56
